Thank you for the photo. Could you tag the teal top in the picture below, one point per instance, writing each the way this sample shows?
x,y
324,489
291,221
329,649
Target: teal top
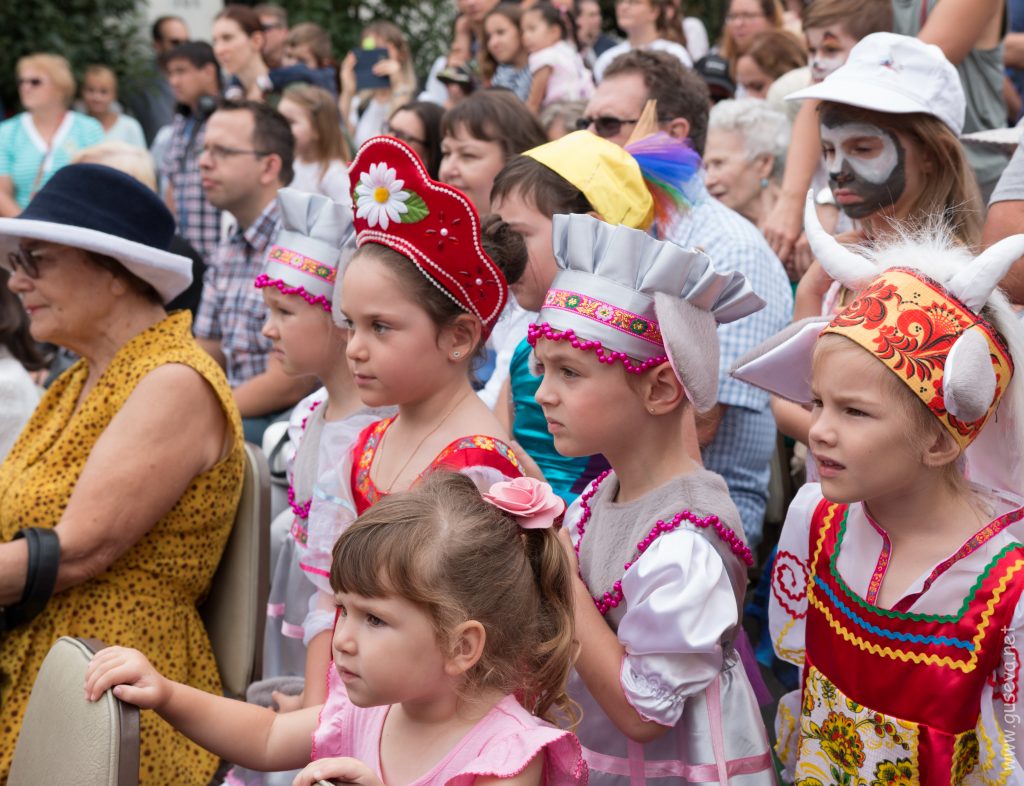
x,y
567,475
25,158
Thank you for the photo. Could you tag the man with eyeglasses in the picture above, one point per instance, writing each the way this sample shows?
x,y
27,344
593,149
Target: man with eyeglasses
x,y
246,157
738,435
153,104
194,77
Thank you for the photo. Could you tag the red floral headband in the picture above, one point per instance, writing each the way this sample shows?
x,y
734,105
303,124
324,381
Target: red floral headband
x,y
435,226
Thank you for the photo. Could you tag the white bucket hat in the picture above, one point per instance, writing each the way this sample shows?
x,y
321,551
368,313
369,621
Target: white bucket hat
x,y
895,74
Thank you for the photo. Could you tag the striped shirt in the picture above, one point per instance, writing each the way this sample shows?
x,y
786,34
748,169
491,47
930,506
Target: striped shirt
x,y
232,310
198,220
29,162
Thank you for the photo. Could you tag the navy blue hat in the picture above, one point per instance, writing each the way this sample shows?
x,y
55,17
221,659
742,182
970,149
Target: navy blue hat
x,y
100,209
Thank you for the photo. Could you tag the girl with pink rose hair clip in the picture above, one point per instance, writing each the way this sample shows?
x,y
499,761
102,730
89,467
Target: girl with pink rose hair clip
x,y
452,645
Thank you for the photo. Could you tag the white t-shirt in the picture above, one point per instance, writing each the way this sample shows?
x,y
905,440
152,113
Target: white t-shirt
x,y
371,122
334,182
697,43
658,44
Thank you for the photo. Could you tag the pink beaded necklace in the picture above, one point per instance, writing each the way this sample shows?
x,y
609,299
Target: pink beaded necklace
x,y
301,510
614,597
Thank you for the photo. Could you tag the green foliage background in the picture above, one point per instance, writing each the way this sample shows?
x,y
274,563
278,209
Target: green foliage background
x,y
114,32
84,31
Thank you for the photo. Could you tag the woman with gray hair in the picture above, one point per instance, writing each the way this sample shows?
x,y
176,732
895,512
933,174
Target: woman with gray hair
x,y
745,155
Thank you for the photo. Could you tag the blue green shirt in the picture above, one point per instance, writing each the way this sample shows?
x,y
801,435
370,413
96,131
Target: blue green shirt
x,y
24,156
568,475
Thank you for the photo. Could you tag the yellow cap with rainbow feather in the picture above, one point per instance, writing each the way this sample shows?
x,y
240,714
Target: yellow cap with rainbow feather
x,y
609,177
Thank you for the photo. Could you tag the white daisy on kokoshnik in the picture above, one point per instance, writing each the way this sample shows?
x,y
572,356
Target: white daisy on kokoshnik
x,y
379,196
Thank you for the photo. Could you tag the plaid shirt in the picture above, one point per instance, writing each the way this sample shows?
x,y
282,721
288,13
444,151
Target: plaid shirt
x,y
198,220
232,309
742,448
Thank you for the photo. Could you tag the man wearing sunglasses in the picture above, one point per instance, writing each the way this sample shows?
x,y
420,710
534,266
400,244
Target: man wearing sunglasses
x,y
738,435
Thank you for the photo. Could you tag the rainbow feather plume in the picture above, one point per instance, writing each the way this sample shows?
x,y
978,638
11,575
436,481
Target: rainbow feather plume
x,y
668,166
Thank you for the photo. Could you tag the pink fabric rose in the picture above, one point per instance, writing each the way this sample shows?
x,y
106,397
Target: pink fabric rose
x,y
531,502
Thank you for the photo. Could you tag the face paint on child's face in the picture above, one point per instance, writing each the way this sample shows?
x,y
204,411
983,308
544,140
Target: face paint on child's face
x,y
827,49
866,164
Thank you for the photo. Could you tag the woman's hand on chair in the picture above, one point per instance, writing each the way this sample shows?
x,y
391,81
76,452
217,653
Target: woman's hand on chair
x,y
131,676
339,770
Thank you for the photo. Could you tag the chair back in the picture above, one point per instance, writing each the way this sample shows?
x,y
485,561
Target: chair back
x,y
235,611
65,738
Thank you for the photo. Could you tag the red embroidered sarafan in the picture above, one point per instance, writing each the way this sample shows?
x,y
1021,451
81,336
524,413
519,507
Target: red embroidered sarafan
x,y
893,696
472,451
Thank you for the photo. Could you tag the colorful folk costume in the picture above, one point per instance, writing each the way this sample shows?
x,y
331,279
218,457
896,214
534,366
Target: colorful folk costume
x,y
644,186
436,228
925,691
634,300
316,236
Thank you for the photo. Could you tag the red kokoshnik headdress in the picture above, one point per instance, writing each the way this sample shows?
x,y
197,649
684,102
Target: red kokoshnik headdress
x,y
435,226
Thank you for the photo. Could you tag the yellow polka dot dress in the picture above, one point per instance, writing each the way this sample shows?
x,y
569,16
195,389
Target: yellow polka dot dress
x,y
147,598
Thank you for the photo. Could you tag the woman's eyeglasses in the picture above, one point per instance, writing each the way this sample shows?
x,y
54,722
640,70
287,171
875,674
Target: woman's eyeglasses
x,y
404,137
604,126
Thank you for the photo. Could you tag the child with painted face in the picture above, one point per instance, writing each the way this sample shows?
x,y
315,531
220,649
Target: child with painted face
x,y
580,173
889,121
451,647
889,125
898,585
626,341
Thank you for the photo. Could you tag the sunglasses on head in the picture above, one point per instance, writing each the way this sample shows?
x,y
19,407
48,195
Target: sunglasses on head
x,y
604,126
33,81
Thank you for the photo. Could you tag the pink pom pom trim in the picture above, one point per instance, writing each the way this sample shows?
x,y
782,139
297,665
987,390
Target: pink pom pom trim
x,y
263,280
545,331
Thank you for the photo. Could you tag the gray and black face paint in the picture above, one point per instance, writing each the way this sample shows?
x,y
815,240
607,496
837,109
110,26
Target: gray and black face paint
x,y
878,180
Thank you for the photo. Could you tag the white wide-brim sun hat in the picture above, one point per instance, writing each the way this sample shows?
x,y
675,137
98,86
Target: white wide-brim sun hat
x,y
99,209
896,74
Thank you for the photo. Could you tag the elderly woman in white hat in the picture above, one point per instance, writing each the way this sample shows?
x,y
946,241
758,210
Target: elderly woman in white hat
x,y
118,497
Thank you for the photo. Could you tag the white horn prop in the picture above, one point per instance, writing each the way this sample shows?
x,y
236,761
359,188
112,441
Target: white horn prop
x,y
975,282
968,379
846,267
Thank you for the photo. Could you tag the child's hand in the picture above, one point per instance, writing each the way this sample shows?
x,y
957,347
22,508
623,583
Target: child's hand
x,y
342,770
131,676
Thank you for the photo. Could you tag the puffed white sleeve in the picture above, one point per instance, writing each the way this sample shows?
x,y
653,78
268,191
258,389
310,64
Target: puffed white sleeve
x,y
1002,716
679,604
787,614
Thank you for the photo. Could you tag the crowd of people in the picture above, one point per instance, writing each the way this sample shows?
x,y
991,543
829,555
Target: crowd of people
x,y
632,387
